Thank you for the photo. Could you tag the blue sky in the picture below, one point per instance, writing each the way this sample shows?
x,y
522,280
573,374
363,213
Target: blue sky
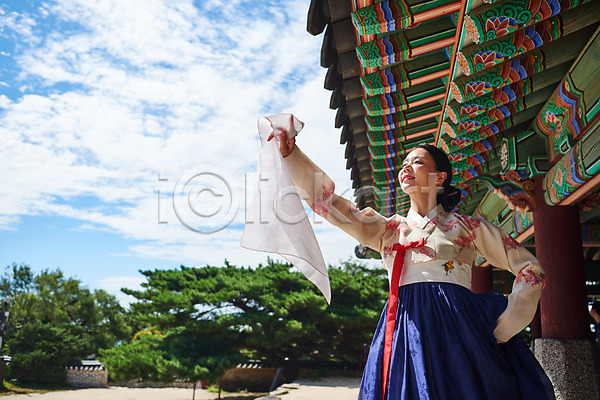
x,y
108,107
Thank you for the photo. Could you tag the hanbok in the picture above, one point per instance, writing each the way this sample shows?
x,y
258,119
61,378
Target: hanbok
x,y
448,342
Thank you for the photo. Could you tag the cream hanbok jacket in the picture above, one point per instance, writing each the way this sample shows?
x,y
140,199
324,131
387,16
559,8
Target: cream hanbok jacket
x,y
451,243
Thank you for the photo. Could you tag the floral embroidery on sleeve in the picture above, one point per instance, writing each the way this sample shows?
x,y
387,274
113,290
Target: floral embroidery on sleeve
x,y
511,243
449,225
470,222
328,191
531,278
322,206
391,225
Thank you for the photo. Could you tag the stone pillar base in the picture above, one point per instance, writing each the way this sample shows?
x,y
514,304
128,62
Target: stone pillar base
x,y
573,367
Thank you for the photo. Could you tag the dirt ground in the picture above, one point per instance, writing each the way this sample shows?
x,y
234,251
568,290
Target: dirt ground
x,y
327,388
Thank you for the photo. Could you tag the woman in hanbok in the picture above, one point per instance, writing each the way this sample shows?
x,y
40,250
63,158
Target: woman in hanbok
x,y
436,339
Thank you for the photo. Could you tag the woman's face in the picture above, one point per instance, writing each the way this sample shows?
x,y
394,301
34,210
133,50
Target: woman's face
x,y
416,170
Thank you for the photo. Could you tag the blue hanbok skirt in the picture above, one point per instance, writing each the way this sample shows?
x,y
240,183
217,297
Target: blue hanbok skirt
x,y
444,349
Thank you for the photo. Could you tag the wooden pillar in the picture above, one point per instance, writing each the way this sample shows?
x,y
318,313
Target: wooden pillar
x,y
536,325
563,307
481,279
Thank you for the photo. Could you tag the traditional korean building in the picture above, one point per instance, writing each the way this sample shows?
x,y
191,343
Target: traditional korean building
x,y
510,90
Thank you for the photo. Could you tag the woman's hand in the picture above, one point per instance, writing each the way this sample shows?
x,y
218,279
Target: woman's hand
x,y
286,145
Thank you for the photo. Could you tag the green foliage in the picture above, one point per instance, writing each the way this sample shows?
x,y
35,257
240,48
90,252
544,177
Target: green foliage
x,y
191,323
195,352
139,359
41,352
204,349
272,310
73,321
358,296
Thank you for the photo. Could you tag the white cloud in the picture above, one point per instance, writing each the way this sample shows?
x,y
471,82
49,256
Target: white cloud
x,y
15,24
157,87
114,284
117,282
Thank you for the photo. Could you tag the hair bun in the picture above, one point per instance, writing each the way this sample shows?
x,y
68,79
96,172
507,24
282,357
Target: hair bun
x,y
448,197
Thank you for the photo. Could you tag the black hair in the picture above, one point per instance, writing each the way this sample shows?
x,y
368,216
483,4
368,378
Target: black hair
x,y
596,306
448,196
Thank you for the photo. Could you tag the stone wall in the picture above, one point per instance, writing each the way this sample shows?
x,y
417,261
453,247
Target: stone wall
x,y
253,378
87,376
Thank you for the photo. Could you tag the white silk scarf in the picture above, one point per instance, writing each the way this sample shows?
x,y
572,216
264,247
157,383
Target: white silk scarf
x,y
276,221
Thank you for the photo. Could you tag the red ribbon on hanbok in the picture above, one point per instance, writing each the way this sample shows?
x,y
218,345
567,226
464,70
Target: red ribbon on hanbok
x,y
392,308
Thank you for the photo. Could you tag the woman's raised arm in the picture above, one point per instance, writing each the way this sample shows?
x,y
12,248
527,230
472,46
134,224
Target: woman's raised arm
x,y
502,251
317,189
